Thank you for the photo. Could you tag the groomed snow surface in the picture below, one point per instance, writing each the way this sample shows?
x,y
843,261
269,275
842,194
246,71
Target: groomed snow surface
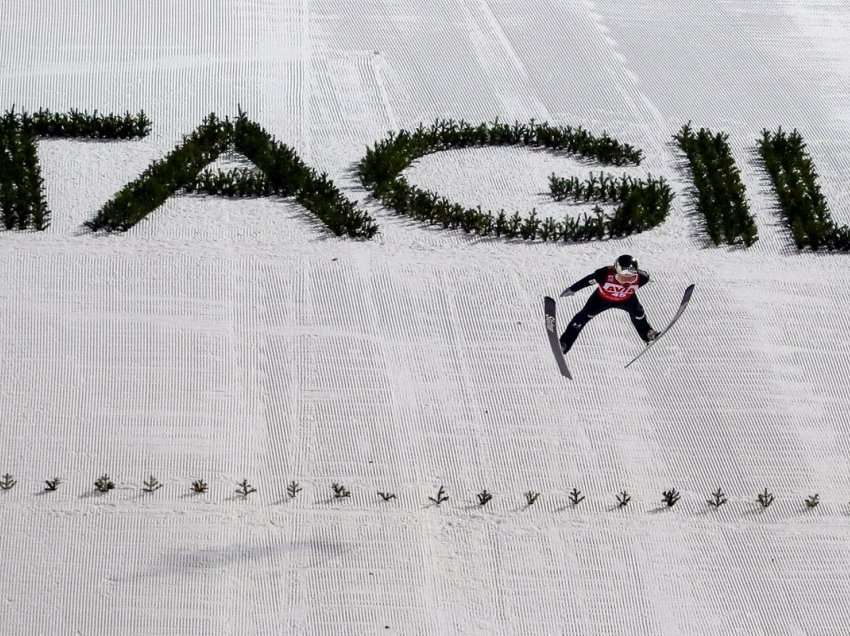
x,y
230,340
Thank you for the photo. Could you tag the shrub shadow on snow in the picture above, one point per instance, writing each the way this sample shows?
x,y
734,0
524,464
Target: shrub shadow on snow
x,y
92,493
659,509
690,195
768,193
206,561
756,512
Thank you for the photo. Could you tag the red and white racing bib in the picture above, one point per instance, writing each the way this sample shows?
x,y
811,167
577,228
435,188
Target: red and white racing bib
x,y
616,291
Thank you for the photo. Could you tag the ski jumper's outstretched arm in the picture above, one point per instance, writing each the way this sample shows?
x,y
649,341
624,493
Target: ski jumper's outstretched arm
x,y
594,278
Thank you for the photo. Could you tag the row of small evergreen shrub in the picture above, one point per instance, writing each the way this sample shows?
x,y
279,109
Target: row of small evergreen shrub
x,y
237,182
669,498
82,125
163,178
283,173
389,157
22,202
795,181
288,175
380,172
79,124
721,197
641,204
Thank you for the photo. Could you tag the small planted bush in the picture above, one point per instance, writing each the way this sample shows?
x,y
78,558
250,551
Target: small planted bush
x,y
340,491
531,497
293,489
765,498
441,496
245,488
623,499
484,497
576,497
151,484
670,497
386,496
812,501
52,485
718,498
104,483
7,482
199,486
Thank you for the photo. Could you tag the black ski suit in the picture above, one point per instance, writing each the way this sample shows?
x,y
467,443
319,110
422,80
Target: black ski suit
x,y
609,293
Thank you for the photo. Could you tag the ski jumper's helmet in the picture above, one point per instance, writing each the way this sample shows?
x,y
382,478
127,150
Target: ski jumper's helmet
x,y
625,265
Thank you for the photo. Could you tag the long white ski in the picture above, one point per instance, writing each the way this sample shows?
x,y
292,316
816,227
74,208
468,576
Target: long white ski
x,y
684,305
552,332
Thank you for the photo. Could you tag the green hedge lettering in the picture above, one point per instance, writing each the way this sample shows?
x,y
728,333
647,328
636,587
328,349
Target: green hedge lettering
x,y
803,206
721,197
646,205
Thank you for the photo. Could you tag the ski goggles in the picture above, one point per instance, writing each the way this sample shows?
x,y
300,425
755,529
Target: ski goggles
x,y
630,270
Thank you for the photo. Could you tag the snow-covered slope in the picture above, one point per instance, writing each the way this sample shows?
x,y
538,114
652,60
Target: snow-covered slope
x,y
225,340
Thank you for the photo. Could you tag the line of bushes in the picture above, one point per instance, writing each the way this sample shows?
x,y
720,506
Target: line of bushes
x,y
79,125
717,499
389,157
380,172
283,174
721,197
801,202
237,182
165,177
641,204
288,175
23,204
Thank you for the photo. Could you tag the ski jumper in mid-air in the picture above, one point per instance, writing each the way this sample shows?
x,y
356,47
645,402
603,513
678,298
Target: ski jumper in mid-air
x,y
616,287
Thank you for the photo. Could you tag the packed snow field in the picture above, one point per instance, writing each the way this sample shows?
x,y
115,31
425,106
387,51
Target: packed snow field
x,y
227,340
